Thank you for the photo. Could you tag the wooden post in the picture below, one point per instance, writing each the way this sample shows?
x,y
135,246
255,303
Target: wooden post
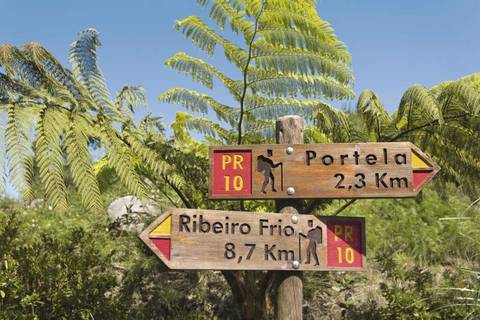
x,y
289,284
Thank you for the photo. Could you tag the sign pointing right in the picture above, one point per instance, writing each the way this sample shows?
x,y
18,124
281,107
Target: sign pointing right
x,y
340,170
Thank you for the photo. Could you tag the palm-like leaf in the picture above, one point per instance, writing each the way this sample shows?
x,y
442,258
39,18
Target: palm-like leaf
x,y
288,59
62,111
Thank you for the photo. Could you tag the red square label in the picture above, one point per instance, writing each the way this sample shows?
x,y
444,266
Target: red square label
x,y
344,243
232,172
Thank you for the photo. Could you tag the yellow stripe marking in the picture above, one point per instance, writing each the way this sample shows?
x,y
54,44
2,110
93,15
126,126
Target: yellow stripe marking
x,y
418,163
164,228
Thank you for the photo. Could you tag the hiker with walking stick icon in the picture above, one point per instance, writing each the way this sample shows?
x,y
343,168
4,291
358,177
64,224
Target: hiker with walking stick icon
x,y
314,236
265,166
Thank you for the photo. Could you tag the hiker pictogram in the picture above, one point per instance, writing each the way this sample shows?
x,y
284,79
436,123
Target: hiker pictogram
x,y
314,236
265,166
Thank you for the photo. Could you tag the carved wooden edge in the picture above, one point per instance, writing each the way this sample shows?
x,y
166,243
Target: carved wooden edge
x,y
144,236
406,144
435,167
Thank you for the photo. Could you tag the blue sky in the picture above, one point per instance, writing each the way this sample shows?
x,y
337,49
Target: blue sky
x,y
394,44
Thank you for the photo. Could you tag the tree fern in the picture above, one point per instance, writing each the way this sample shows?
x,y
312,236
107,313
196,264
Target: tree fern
x,y
62,111
288,59
444,121
49,158
80,163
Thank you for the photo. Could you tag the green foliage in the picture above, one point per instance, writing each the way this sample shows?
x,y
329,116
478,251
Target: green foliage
x,y
53,115
421,265
443,121
75,266
288,59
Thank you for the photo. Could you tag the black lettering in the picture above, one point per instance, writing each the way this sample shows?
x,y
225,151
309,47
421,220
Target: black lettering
x,y
371,159
310,156
399,182
203,224
385,156
342,158
290,231
184,221
194,223
356,155
272,228
217,227
269,253
379,179
401,158
286,254
330,160
263,225
245,228
234,224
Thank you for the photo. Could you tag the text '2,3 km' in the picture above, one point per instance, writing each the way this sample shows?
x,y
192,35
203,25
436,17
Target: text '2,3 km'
x,y
362,170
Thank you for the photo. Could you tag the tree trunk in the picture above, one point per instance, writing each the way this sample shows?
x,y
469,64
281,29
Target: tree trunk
x,y
289,284
252,290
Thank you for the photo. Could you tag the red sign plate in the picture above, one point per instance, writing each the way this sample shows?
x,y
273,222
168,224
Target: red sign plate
x,y
233,172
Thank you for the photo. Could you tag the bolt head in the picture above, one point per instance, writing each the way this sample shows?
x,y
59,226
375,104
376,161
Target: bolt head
x,y
295,264
289,150
294,219
290,190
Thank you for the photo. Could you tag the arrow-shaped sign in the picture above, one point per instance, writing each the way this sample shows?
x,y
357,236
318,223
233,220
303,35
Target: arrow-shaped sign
x,y
341,170
230,240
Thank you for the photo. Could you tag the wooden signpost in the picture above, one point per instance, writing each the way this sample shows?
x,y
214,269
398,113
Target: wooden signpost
x,y
229,240
303,171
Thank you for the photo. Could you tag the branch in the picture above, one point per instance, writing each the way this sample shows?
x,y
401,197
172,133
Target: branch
x,y
345,206
184,199
315,204
427,124
245,71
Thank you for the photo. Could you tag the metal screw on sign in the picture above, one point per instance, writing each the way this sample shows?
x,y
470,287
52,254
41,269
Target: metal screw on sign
x,y
290,190
295,264
289,150
294,219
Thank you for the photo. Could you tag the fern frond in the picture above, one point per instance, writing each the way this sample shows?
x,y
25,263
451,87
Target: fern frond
x,y
300,61
417,105
295,39
120,159
373,113
271,108
223,10
149,158
3,156
130,97
50,160
333,123
19,67
54,70
202,72
292,84
459,98
207,39
19,153
83,58
80,162
198,102
202,125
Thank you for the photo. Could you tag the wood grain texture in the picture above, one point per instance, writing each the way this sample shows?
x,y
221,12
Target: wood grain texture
x,y
272,242
355,170
288,284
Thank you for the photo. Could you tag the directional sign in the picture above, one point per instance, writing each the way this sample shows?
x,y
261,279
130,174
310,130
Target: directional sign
x,y
350,170
228,240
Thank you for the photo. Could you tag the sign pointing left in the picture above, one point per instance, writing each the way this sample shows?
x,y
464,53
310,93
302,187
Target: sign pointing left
x,y
229,240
